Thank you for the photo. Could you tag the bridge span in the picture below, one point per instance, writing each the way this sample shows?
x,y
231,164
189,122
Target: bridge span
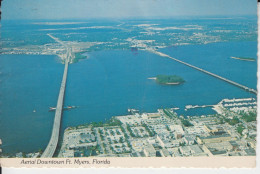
x,y
49,151
207,72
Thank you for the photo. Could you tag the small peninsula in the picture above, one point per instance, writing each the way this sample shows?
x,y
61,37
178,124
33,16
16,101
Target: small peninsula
x,y
244,58
168,79
78,56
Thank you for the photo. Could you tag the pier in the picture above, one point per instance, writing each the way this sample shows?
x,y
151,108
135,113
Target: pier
x,y
206,72
50,150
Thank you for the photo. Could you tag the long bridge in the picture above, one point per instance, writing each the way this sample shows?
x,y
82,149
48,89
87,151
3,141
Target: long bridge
x,y
52,145
49,151
207,72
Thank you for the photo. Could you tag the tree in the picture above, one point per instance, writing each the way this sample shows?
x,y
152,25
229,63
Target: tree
x,y
233,121
23,154
167,127
165,79
240,129
40,151
130,130
182,144
221,121
121,140
186,123
248,117
150,132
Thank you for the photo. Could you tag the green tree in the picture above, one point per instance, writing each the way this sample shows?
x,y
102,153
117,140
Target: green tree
x,y
240,129
150,132
164,79
23,154
40,151
186,123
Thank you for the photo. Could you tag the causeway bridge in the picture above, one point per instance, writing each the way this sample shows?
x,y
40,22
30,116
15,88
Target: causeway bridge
x,y
207,72
49,151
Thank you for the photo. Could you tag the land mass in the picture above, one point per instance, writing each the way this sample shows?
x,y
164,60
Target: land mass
x,y
78,56
244,58
168,79
165,133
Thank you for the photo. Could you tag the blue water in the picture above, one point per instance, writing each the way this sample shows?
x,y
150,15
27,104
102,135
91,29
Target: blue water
x,y
109,82
215,58
27,83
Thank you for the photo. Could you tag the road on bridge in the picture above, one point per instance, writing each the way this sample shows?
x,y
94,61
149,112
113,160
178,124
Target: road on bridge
x,y
49,151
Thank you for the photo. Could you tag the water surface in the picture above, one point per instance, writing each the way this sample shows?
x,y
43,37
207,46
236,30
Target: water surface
x,y
109,82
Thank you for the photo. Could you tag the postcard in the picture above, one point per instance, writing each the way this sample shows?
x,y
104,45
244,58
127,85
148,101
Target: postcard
x,y
128,83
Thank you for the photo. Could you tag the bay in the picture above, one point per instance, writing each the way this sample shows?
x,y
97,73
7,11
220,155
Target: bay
x,y
109,82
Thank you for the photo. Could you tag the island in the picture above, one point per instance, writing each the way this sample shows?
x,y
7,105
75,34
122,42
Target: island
x,y
244,58
168,79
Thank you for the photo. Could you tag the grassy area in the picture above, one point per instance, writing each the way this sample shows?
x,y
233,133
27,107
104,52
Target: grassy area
x,y
233,121
168,113
248,117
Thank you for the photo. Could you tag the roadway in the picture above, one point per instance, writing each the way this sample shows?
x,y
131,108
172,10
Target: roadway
x,y
50,150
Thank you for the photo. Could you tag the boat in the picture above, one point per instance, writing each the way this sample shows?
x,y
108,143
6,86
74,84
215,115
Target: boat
x,y
69,107
133,111
52,109
64,108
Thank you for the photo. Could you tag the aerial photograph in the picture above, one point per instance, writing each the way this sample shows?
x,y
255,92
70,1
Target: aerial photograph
x,y
128,78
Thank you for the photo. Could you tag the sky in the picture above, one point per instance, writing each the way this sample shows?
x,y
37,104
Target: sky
x,y
89,9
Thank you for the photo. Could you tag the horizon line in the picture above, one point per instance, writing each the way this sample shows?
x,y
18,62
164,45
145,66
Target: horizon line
x,y
142,17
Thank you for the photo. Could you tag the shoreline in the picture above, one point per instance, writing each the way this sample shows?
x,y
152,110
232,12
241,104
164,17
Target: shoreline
x,y
176,83
251,60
